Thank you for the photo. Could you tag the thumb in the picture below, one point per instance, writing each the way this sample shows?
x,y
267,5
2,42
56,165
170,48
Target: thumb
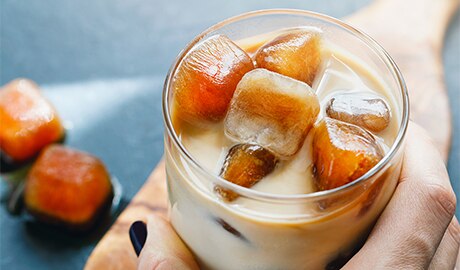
x,y
163,249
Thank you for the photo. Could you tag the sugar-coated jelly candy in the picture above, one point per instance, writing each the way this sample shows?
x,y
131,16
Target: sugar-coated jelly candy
x,y
366,110
28,121
67,187
296,54
206,79
245,165
342,152
273,111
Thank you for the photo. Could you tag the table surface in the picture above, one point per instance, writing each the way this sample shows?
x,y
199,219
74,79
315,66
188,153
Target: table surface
x,y
102,63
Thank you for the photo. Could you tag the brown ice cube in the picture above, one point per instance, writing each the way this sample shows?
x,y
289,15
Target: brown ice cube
x,y
273,111
229,228
366,110
342,152
206,79
296,54
28,122
245,165
67,187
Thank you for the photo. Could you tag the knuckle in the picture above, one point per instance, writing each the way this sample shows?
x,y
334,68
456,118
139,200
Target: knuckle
x,y
413,252
441,200
164,263
421,244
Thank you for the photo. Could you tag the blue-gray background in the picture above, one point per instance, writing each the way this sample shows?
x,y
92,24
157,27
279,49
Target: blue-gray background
x,y
102,63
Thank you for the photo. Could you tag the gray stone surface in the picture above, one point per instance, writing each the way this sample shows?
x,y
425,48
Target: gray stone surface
x,y
102,63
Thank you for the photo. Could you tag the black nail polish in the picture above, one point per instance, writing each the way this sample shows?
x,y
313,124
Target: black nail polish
x,y
138,235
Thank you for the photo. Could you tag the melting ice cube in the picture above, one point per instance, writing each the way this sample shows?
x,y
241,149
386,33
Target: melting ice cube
x,y
342,152
273,111
245,165
366,110
296,54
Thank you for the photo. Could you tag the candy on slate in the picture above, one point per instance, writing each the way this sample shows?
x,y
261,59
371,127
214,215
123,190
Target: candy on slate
x,y
206,79
342,152
296,54
67,187
245,165
28,121
273,111
366,110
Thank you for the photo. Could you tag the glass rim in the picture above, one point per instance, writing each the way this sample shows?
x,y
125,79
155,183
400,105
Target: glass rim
x,y
265,196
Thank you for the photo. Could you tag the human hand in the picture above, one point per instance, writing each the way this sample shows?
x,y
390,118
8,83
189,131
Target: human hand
x,y
417,229
163,249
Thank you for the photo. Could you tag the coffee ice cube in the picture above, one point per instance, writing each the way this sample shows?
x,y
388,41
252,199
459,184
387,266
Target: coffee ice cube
x,y
296,54
206,79
273,111
366,110
28,121
342,152
245,165
67,187
229,228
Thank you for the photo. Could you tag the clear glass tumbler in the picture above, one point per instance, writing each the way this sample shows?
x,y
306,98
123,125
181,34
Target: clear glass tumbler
x,y
271,232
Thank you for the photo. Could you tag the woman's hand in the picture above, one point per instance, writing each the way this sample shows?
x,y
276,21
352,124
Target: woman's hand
x,y
417,229
163,249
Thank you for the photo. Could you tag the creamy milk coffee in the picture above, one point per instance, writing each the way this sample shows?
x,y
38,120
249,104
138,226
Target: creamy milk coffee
x,y
273,224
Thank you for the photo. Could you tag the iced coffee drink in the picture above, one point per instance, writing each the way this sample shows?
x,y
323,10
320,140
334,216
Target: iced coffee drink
x,y
284,139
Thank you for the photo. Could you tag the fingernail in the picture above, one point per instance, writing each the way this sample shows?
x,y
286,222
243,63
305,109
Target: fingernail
x,y
138,235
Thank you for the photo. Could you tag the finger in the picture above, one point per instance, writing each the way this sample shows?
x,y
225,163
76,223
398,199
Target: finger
x,y
458,262
163,249
412,225
446,255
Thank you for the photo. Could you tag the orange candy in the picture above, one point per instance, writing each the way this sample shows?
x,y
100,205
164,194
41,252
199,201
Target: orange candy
x,y
295,54
206,79
66,186
342,152
28,121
